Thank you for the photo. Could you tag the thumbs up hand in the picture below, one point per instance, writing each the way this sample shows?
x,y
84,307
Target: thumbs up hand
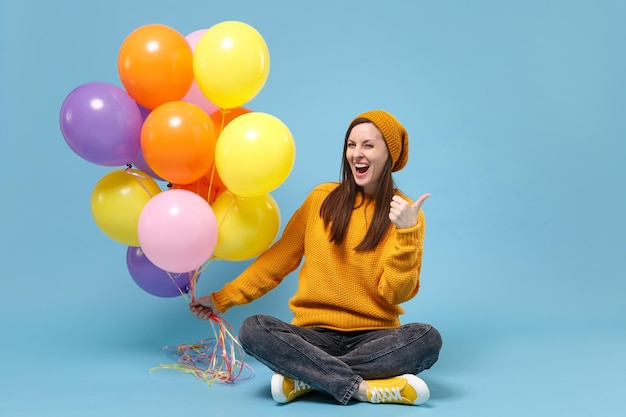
x,y
403,214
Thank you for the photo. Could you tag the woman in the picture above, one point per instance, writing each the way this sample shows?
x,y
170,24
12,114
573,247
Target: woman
x,y
361,240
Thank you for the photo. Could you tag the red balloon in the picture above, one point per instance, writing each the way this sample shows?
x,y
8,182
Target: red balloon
x,y
209,186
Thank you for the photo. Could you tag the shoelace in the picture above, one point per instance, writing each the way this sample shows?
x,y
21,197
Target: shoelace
x,y
300,386
382,395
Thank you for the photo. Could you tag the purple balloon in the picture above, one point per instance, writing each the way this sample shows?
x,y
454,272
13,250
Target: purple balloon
x,y
153,279
139,161
102,124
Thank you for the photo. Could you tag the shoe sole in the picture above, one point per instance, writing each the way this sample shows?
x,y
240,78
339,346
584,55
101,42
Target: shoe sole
x,y
423,393
277,389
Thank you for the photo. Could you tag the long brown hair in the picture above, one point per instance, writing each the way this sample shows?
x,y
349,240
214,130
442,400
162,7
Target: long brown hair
x,y
338,205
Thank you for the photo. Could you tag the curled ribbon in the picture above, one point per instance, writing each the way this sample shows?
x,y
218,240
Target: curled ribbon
x,y
217,359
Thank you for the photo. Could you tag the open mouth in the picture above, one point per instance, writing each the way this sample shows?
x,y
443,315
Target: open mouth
x,y
361,168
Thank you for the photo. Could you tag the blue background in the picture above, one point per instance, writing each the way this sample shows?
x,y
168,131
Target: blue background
x,y
515,112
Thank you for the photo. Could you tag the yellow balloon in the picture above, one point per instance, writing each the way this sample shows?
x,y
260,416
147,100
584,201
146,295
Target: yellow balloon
x,y
245,226
254,154
117,201
231,64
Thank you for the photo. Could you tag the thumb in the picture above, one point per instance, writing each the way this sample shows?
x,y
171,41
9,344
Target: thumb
x,y
421,200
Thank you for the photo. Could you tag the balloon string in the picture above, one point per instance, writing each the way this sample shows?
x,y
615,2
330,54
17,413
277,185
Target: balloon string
x,y
212,360
228,211
224,112
217,359
194,279
222,124
193,276
140,177
211,182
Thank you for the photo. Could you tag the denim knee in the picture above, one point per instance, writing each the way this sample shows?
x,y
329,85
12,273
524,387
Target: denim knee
x,y
248,330
435,339
433,342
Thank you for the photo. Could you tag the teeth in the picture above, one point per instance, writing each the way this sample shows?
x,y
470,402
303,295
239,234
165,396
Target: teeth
x,y
360,165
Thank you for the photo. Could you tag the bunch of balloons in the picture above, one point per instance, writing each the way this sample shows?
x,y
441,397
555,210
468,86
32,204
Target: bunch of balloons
x,y
180,118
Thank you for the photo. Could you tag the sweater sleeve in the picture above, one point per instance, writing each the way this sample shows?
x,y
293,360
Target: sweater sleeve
x,y
269,269
401,277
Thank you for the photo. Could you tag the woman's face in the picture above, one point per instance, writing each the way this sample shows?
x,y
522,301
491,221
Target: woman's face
x,y
367,155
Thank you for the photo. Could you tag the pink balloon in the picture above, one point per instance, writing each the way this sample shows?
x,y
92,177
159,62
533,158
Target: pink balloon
x,y
194,94
194,37
177,230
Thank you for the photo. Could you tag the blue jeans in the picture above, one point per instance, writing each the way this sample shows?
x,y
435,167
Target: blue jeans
x,y
336,362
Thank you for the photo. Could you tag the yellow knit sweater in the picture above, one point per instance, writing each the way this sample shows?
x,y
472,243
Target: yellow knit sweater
x,y
339,288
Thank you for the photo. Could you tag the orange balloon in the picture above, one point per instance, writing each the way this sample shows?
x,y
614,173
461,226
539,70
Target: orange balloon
x,y
178,142
155,65
222,117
